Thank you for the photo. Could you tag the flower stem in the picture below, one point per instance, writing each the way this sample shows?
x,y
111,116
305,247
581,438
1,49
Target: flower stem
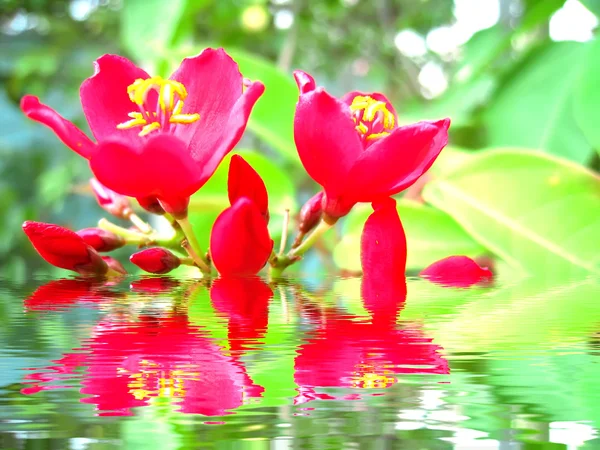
x,y
140,224
192,246
284,231
281,262
131,237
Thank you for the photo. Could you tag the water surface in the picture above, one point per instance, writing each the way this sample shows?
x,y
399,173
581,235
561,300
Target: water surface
x,y
159,363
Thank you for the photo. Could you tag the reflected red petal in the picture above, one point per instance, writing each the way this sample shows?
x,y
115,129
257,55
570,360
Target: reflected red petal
x,y
245,303
350,96
327,143
240,244
105,100
214,84
383,260
68,133
60,294
456,271
161,168
395,162
244,181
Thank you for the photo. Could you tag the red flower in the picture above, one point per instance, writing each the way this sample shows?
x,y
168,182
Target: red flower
x,y
240,244
155,260
245,304
129,364
155,137
65,249
456,271
354,148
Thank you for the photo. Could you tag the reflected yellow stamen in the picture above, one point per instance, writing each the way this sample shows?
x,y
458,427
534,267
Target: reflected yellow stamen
x,y
171,95
366,377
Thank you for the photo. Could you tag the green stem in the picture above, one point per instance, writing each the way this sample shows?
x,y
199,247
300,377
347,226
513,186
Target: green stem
x,y
140,224
131,237
192,246
281,262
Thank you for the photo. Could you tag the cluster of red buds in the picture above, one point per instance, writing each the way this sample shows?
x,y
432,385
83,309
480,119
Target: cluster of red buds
x,y
160,140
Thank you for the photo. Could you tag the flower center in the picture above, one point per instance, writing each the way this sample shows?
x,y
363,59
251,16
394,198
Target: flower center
x,y
159,110
372,118
154,381
369,376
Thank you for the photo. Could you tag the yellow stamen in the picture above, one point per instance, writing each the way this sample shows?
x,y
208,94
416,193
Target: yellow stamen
x,y
377,135
369,107
149,128
171,95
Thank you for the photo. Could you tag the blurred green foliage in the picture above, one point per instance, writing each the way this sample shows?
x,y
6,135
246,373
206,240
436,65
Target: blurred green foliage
x,y
508,85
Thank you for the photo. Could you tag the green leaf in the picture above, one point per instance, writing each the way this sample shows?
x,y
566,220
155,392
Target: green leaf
x,y
148,26
534,108
539,213
272,118
587,96
592,5
431,235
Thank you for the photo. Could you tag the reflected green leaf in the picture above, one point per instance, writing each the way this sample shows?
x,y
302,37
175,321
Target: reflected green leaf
x,y
514,202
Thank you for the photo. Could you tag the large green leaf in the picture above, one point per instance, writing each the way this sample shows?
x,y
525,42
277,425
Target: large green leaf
x,y
148,27
534,107
273,116
539,213
587,96
592,5
431,235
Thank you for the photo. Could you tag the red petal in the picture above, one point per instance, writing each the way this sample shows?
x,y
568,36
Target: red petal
x,y
161,168
63,248
101,240
240,244
68,133
105,100
210,145
214,84
115,204
305,82
327,143
383,260
395,162
349,98
456,271
244,181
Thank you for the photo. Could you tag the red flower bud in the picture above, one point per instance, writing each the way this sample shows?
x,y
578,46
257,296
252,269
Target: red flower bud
x,y
310,213
115,204
456,271
244,181
101,240
64,248
155,260
114,264
151,204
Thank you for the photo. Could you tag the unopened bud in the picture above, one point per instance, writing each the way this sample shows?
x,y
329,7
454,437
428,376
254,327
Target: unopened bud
x,y
155,260
64,248
311,213
114,265
152,205
116,204
101,240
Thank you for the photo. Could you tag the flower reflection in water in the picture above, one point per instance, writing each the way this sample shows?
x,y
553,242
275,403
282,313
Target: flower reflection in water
x,y
130,362
346,351
146,347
